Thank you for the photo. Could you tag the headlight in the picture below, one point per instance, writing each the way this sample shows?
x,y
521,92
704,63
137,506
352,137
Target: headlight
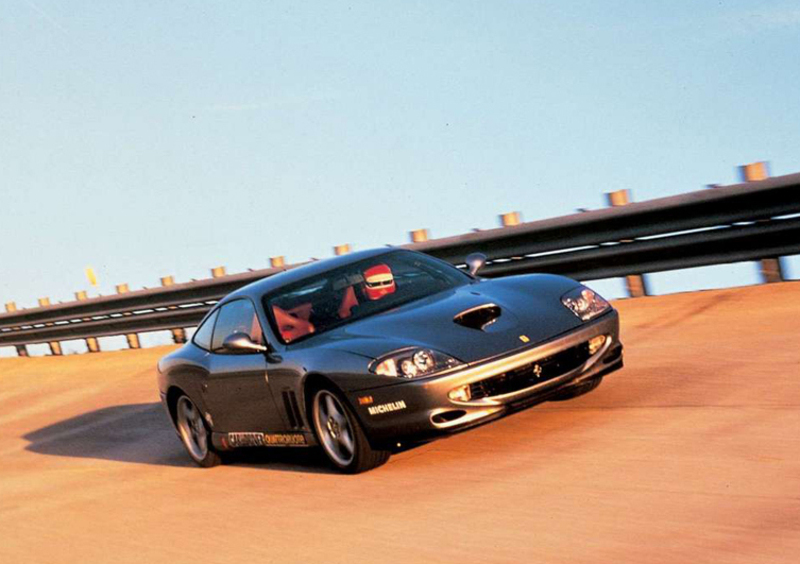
x,y
585,303
413,363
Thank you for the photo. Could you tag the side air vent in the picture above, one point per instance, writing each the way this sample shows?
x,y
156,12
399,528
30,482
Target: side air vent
x,y
479,317
292,409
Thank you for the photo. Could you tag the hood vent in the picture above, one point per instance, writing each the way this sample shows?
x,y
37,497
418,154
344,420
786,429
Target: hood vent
x,y
479,317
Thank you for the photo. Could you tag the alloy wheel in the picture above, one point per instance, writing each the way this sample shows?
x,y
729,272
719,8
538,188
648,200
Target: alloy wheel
x,y
192,429
333,428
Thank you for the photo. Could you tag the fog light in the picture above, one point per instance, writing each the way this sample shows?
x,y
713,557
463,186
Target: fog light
x,y
595,343
460,394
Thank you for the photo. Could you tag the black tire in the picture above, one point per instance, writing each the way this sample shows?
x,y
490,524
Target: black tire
x,y
194,434
340,435
579,390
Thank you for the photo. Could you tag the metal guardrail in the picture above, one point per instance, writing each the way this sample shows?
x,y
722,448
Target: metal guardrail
x,y
587,245
742,222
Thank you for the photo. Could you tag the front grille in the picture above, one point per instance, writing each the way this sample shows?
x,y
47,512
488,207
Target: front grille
x,y
529,375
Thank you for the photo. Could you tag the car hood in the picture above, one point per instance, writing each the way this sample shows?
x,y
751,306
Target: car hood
x,y
530,312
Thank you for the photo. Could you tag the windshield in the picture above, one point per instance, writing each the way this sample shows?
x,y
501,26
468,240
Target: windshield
x,y
319,303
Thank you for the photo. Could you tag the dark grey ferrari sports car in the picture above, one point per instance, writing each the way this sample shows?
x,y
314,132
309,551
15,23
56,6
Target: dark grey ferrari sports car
x,y
370,353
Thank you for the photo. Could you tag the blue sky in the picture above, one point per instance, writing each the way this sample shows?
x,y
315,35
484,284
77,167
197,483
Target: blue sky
x,y
154,138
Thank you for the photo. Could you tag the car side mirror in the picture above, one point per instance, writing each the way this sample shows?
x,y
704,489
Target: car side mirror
x,y
475,262
242,343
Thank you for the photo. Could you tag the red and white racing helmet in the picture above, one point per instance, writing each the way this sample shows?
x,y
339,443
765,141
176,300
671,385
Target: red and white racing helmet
x,y
378,281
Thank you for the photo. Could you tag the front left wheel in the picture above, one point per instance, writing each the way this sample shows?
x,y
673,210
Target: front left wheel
x,y
194,434
341,436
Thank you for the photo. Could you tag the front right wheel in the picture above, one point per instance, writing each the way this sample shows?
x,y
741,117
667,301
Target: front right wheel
x,y
341,436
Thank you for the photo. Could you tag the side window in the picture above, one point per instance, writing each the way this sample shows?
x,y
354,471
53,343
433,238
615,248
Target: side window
x,y
202,337
236,317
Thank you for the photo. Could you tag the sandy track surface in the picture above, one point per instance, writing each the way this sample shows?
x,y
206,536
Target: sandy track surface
x,y
689,454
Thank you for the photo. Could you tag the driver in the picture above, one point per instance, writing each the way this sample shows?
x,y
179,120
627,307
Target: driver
x,y
378,282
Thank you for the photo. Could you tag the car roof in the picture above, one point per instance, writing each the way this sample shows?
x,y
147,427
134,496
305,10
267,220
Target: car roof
x,y
265,285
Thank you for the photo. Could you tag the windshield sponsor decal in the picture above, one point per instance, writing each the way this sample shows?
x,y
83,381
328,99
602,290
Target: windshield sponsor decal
x,y
387,407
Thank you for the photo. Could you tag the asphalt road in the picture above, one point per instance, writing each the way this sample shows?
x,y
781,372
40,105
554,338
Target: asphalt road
x,y
689,454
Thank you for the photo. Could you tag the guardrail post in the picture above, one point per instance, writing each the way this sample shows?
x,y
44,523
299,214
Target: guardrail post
x,y
133,338
55,346
419,235
91,342
754,172
510,219
771,267
636,284
179,333
341,249
22,350
277,262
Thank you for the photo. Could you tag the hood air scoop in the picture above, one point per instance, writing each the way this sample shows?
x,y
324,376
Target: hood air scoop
x,y
479,317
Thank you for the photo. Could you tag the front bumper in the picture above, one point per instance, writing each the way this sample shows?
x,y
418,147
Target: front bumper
x,y
418,410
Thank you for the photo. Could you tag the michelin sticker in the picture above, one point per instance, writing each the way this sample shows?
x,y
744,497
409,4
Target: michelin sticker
x,y
387,407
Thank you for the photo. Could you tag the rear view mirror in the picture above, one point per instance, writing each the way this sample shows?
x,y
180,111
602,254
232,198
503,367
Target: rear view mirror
x,y
475,262
242,343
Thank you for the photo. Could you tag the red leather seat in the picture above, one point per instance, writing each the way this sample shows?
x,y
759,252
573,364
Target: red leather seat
x,y
290,326
349,301
255,331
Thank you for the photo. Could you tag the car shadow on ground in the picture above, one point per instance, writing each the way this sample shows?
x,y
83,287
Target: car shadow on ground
x,y
140,433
